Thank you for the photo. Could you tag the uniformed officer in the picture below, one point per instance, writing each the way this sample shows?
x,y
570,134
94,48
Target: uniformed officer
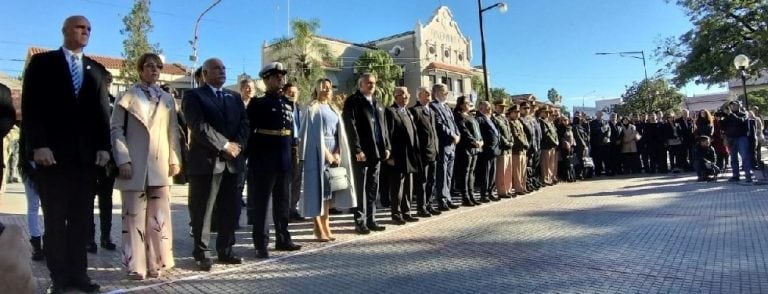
x,y
269,161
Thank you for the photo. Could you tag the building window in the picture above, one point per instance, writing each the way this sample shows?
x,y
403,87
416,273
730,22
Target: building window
x,y
447,53
459,85
447,82
432,80
432,49
461,57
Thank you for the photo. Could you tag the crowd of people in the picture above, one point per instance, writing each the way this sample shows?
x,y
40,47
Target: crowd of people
x,y
305,159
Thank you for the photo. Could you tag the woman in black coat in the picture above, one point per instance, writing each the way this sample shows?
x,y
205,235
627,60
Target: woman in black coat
x,y
469,147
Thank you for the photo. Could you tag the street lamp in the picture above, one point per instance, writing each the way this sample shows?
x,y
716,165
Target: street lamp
x,y
503,9
193,57
741,62
636,55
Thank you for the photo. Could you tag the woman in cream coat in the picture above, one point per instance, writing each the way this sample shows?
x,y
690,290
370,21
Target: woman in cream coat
x,y
146,147
324,145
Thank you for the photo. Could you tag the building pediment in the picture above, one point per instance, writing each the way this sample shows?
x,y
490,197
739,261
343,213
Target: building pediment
x,y
443,28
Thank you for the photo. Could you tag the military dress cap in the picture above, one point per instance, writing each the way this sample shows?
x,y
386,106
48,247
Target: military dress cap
x,y
513,108
269,69
501,102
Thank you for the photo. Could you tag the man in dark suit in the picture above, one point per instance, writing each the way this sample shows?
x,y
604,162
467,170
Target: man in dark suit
x,y
447,138
404,161
366,133
218,133
600,140
7,119
269,161
65,107
291,92
486,160
424,187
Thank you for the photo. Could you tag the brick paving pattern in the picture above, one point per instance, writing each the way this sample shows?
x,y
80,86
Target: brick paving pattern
x,y
656,234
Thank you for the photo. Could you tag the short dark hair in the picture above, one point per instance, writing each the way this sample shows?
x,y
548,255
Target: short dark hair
x,y
288,86
146,56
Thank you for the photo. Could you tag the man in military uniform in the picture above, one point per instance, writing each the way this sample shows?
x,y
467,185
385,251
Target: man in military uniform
x,y
269,161
503,161
520,146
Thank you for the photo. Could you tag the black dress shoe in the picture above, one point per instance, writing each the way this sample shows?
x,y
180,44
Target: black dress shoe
x,y
230,259
262,254
493,198
442,207
85,285
107,244
422,213
477,203
204,264
451,205
397,220
296,217
410,219
504,196
484,199
434,211
376,227
335,211
467,203
91,247
362,230
287,247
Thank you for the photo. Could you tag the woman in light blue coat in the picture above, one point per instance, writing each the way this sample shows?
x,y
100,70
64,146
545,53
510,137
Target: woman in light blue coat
x,y
324,145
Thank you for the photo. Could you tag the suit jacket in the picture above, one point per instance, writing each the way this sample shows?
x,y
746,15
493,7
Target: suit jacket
x,y
361,120
424,118
470,133
212,123
404,140
149,141
519,136
598,131
490,134
73,126
445,124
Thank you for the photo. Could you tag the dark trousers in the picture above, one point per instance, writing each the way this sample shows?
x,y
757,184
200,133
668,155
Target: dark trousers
x,y
444,174
466,164
631,163
297,176
264,186
104,186
598,153
366,176
424,185
400,193
677,155
66,195
205,192
658,159
486,174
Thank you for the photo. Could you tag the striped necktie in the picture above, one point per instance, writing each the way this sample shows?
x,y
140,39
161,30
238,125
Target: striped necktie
x,y
77,76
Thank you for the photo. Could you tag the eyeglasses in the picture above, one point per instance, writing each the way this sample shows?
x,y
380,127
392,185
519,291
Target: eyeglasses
x,y
153,65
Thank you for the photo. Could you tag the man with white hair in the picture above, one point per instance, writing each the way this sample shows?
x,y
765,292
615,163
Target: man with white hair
x,y
405,160
448,137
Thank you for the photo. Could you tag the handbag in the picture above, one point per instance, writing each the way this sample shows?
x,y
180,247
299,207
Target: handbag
x,y
337,178
587,162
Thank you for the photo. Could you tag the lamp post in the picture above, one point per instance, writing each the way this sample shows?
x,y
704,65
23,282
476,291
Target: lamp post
x,y
636,55
741,62
503,9
193,57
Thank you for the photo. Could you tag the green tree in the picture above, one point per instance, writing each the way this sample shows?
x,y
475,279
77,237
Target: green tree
x,y
138,24
387,73
479,86
652,94
496,94
304,56
722,30
554,97
757,98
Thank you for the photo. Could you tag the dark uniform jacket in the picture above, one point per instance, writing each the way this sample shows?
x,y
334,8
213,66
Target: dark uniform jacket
x,y
519,136
548,135
598,131
270,152
505,134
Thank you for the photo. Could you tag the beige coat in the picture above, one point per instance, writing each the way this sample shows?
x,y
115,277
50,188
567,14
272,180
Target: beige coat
x,y
15,269
629,139
151,144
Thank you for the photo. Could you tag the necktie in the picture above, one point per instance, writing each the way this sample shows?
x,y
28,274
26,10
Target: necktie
x,y
220,95
77,76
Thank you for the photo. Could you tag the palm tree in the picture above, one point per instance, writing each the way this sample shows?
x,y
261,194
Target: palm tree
x,y
304,55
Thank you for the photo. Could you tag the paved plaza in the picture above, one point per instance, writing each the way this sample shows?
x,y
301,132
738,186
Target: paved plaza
x,y
610,235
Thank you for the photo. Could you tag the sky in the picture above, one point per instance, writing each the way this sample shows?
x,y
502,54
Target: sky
x,y
534,46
